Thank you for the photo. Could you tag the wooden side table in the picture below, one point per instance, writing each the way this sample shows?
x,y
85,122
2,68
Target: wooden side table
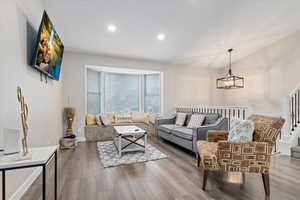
x,y
40,157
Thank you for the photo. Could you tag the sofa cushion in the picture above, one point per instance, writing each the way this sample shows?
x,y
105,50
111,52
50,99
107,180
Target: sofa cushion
x,y
196,121
183,132
167,127
180,119
211,118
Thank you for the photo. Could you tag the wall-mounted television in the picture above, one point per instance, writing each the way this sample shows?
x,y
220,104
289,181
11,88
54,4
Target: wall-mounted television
x,y
49,49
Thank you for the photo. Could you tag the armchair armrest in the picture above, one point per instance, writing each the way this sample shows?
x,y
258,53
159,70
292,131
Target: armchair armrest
x,y
244,156
217,135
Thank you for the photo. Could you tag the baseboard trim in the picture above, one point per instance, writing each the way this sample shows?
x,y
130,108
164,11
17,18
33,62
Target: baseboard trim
x,y
26,185
81,139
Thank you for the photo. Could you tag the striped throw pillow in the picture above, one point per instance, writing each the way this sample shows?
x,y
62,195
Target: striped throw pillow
x,y
196,121
180,119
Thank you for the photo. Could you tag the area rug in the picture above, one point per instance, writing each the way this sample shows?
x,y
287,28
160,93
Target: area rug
x,y
109,155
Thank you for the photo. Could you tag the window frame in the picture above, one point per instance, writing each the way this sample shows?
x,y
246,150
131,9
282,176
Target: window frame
x,y
144,94
141,74
99,93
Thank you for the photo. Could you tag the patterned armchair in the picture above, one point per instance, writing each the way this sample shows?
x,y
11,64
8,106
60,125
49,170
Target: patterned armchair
x,y
253,157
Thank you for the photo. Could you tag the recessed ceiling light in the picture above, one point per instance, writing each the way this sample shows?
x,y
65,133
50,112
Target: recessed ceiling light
x,y
112,28
161,36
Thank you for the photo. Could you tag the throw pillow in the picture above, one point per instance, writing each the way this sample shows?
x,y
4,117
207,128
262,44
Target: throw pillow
x,y
105,120
90,120
196,121
188,118
111,117
98,119
124,118
140,117
211,118
180,119
242,132
234,122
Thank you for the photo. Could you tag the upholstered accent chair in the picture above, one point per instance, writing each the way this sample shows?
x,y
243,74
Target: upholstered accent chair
x,y
253,157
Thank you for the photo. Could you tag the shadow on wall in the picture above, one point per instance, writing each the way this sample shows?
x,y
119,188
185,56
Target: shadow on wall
x,y
30,42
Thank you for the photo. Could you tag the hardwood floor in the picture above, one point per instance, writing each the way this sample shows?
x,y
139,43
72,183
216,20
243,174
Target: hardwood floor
x,y
82,177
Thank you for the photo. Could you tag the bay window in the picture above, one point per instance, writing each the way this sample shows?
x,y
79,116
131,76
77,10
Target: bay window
x,y
121,91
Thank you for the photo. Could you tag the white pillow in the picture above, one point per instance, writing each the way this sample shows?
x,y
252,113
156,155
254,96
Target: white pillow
x,y
180,119
98,120
105,120
242,131
196,121
234,122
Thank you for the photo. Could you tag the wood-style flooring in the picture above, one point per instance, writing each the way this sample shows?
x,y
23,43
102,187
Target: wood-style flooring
x,y
82,177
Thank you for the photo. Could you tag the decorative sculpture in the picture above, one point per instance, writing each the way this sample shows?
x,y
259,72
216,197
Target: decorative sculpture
x,y
24,116
69,114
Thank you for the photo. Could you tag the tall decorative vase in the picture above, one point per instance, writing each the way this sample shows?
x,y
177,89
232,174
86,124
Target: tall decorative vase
x,y
69,114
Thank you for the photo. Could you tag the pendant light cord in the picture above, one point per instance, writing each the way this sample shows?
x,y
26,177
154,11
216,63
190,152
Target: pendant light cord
x,y
230,72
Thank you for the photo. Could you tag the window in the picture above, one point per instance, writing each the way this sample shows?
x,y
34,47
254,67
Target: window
x,y
122,90
93,92
152,93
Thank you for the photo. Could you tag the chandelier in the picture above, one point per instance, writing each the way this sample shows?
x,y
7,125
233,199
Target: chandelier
x,y
230,81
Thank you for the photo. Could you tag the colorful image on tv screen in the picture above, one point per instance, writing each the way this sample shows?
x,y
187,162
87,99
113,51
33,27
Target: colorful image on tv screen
x,y
49,49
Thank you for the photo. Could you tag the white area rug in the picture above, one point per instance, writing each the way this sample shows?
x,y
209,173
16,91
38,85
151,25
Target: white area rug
x,y
109,155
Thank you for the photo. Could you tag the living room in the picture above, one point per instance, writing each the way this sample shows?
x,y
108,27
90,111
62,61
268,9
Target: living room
x,y
180,81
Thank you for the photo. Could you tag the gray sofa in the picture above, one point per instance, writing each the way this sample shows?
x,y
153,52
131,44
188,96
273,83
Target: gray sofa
x,y
185,137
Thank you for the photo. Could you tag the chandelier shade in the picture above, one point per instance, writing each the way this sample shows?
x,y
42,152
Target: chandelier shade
x,y
230,81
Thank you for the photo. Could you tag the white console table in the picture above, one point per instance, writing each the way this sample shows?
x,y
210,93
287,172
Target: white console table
x,y
40,157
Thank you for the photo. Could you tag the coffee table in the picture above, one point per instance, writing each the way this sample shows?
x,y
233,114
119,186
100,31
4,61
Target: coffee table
x,y
127,137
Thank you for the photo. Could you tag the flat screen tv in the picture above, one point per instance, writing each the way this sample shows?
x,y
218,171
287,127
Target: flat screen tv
x,y
49,49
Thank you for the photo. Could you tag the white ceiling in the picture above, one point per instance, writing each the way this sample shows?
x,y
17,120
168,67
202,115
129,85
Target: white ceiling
x,y
198,32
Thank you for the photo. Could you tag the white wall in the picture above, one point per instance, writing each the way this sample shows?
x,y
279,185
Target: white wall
x,y
182,84
44,100
271,73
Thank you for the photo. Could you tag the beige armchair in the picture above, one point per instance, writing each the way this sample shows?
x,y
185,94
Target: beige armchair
x,y
253,157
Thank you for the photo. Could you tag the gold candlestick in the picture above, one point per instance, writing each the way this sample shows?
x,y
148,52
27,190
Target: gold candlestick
x,y
24,116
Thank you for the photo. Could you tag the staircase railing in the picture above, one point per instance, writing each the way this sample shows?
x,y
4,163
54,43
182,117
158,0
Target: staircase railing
x,y
230,112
